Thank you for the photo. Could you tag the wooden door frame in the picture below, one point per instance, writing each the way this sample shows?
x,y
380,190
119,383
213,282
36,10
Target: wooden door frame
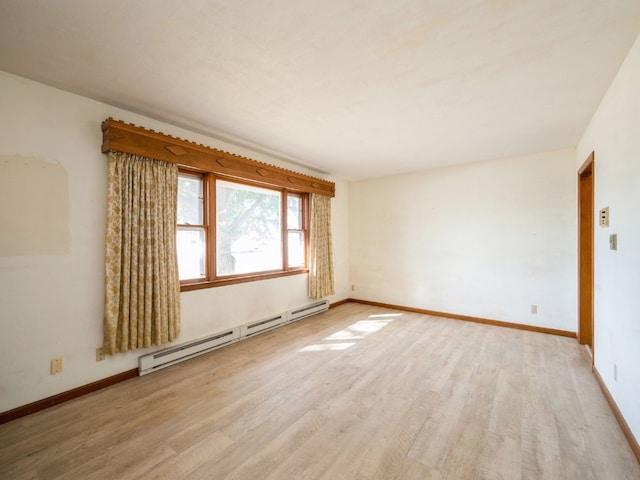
x,y
586,216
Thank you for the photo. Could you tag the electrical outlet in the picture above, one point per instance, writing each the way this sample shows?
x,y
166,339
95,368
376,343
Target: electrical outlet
x,y
56,365
99,354
534,309
353,288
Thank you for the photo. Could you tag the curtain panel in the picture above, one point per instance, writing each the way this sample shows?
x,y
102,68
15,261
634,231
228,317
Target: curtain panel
x,y
142,288
321,282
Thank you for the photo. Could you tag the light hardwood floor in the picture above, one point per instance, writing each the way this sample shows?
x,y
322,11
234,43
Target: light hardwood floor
x,y
356,393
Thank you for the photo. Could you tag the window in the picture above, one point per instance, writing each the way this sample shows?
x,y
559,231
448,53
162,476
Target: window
x,y
231,231
296,233
248,229
191,232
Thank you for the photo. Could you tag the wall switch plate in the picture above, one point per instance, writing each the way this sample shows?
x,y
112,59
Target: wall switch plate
x,y
56,365
604,217
615,372
613,241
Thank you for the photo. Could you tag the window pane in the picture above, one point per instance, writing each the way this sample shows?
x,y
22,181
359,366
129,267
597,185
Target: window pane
x,y
191,253
294,212
248,229
189,199
296,249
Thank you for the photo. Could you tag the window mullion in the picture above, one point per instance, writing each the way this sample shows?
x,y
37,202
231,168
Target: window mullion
x,y
306,208
285,229
211,225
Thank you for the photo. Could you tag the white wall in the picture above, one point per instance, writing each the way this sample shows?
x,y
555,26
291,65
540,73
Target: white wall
x,y
51,291
486,239
614,136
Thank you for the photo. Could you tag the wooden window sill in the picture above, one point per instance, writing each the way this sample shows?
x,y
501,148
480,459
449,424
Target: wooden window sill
x,y
253,277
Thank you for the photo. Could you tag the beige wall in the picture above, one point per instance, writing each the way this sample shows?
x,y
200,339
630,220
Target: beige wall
x,y
485,239
52,266
614,136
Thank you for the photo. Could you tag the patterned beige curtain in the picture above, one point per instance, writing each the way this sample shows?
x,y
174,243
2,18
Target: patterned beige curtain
x,y
321,282
142,298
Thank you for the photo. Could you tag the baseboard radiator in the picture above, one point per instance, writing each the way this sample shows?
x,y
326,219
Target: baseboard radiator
x,y
152,362
263,325
308,310
170,356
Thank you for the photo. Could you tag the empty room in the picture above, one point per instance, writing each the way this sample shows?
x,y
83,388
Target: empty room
x,y
335,240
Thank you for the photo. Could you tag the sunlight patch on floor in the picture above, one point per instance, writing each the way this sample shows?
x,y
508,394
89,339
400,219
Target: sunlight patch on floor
x,y
323,347
339,340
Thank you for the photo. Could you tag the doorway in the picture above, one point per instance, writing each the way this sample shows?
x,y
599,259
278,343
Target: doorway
x,y
586,215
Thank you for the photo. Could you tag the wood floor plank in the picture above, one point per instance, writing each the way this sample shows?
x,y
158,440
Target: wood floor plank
x,y
414,470
500,457
184,463
356,393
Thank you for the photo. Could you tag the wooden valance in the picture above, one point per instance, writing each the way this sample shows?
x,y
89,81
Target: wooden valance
x,y
124,137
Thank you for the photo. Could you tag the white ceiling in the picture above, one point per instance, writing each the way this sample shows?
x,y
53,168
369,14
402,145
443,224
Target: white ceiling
x,y
355,88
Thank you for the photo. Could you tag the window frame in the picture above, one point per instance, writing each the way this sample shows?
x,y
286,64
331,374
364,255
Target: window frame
x,y
304,227
211,278
204,226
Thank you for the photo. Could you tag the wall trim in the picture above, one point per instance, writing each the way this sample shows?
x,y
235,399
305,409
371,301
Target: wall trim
x,y
633,442
339,302
126,137
65,396
487,321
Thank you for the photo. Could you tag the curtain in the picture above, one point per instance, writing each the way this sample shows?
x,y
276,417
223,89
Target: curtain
x,y
142,296
321,283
